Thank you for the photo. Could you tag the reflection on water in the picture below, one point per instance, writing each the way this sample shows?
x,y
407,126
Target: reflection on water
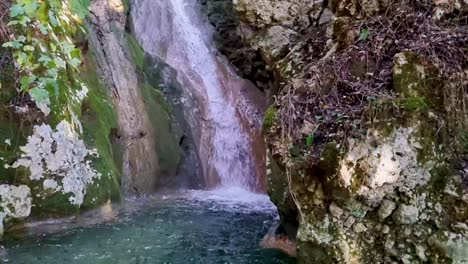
x,y
222,226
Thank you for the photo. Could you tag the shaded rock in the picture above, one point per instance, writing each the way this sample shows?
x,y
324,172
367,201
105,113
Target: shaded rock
x,y
276,42
335,210
280,242
453,246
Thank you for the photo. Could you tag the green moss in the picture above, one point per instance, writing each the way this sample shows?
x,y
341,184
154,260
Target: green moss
x,y
138,54
440,176
415,77
99,120
271,117
49,205
167,146
414,104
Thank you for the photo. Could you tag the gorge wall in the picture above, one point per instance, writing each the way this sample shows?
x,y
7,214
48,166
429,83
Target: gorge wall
x,y
367,157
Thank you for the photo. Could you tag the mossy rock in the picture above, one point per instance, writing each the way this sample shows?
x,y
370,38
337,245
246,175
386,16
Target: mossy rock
x,y
417,80
278,190
270,119
99,120
161,114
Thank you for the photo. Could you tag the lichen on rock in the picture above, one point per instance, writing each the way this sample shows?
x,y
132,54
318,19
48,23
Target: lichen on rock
x,y
60,159
15,203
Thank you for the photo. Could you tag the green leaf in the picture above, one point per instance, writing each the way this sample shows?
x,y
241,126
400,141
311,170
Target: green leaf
x,y
13,44
50,85
44,59
66,47
28,48
60,62
21,38
79,8
53,19
31,7
24,21
39,95
27,81
52,72
13,22
16,10
364,34
310,140
74,62
8,44
43,29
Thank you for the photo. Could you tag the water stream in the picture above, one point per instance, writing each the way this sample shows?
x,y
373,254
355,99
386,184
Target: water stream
x,y
196,227
174,31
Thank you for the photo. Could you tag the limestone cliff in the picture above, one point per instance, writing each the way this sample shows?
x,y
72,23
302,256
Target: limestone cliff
x,y
367,136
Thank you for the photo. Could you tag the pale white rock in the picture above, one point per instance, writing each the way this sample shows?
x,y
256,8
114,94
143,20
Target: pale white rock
x,y
359,228
406,214
390,163
15,202
50,184
349,222
385,229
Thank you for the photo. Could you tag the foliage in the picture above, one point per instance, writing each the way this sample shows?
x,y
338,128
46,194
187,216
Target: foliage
x,y
270,118
364,35
414,104
42,46
310,140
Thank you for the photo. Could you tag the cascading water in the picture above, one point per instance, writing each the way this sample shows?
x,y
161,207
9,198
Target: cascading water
x,y
173,31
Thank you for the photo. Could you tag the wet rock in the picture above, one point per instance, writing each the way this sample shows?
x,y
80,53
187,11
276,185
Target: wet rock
x,y
406,214
280,242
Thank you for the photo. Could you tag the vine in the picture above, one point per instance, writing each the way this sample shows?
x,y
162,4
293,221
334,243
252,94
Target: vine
x,y
42,48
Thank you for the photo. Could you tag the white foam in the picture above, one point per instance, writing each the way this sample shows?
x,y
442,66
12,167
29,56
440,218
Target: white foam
x,y
232,199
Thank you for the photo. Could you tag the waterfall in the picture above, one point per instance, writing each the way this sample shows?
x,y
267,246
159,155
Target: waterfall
x,y
174,31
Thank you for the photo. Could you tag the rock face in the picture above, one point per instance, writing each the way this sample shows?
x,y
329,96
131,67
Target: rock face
x,y
389,187
135,130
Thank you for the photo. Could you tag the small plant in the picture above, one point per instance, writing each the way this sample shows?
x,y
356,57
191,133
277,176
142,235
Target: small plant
x,y
270,119
364,34
310,140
